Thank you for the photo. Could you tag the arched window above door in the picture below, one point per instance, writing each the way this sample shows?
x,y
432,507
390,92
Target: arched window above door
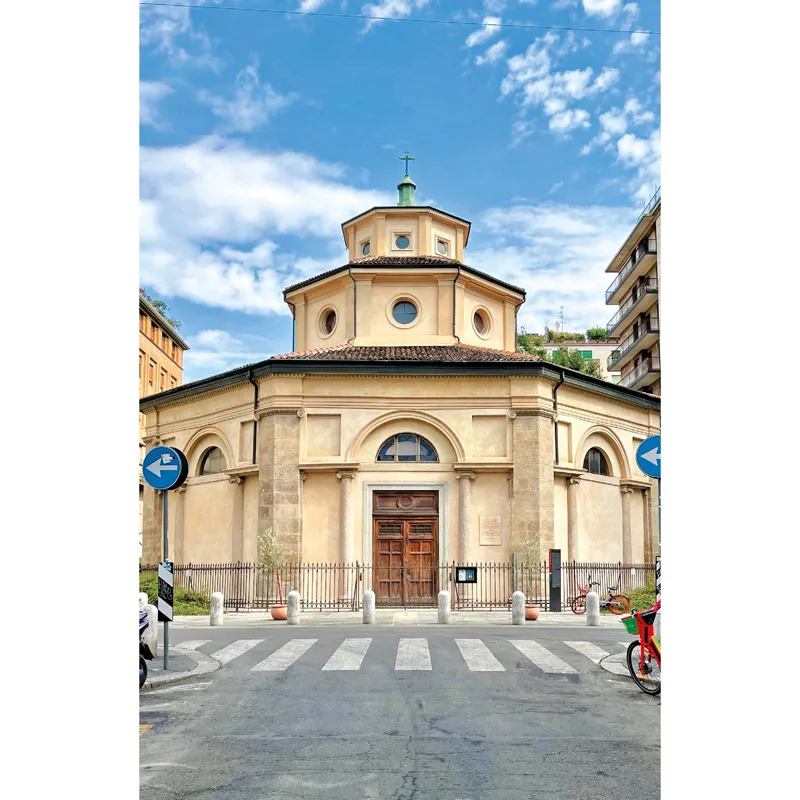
x,y
213,462
596,463
407,448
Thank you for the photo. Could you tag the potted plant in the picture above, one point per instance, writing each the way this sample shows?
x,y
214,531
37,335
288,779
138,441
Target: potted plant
x,y
272,556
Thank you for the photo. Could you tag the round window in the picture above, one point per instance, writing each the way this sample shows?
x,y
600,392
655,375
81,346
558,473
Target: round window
x,y
366,249
404,312
441,247
480,322
402,242
329,321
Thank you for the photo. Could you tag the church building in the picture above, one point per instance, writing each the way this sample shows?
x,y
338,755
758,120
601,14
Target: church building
x,y
405,428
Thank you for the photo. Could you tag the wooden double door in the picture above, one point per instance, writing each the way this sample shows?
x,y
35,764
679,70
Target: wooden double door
x,y
405,547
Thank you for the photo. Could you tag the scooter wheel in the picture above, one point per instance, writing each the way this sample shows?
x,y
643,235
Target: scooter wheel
x,y
142,671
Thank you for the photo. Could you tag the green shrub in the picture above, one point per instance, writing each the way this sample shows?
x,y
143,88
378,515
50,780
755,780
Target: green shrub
x,y
185,601
644,597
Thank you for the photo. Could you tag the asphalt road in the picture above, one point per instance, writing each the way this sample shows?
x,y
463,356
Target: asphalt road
x,y
375,732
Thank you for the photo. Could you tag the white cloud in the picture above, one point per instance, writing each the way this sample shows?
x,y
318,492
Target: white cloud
x,y
215,351
605,80
252,104
643,155
558,253
566,121
534,63
616,121
489,28
390,8
602,8
168,29
210,211
493,53
309,6
150,94
636,42
520,131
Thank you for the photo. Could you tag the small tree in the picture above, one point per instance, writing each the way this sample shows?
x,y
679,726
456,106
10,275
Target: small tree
x,y
597,334
162,309
270,556
530,554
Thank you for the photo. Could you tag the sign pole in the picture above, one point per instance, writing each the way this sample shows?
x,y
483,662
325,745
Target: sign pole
x,y
166,558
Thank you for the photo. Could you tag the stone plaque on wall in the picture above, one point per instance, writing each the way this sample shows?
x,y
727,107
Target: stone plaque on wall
x,y
491,531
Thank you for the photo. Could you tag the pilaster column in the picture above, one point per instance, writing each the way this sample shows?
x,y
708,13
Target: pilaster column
x,y
237,519
649,556
347,524
464,514
178,549
626,525
346,530
572,518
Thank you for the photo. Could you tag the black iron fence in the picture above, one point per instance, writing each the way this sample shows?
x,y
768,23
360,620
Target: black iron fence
x,y
340,587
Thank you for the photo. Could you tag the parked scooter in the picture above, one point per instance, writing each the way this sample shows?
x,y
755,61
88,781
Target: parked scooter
x,y
145,654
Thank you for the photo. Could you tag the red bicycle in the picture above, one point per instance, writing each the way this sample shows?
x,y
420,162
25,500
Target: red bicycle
x,y
615,603
644,655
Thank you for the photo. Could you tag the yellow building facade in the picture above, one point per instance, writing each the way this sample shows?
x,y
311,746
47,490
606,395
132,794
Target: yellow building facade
x,y
161,352
405,428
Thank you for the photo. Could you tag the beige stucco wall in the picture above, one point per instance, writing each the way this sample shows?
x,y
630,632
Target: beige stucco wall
x,y
344,421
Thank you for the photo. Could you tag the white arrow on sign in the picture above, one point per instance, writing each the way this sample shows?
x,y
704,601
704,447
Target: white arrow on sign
x,y
158,467
653,456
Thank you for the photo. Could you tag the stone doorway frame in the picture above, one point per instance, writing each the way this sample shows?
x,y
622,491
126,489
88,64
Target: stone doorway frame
x,y
394,486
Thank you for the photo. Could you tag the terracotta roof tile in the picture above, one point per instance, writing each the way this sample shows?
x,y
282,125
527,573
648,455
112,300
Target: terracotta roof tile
x,y
435,353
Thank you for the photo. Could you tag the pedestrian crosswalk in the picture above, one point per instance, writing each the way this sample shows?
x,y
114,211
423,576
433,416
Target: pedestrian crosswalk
x,y
473,655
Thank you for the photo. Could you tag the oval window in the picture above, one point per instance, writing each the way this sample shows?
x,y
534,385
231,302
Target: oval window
x,y
404,312
329,321
402,242
479,322
441,247
366,249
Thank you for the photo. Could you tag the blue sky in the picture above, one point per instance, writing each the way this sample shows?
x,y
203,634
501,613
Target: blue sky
x,y
261,133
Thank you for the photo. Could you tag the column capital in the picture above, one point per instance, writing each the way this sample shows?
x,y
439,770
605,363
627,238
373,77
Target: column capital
x,y
181,489
303,474
465,474
345,475
236,479
626,490
574,481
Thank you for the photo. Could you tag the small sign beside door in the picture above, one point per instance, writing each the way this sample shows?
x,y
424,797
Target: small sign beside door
x,y
466,574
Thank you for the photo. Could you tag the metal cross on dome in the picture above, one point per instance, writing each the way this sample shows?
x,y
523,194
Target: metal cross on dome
x,y
406,158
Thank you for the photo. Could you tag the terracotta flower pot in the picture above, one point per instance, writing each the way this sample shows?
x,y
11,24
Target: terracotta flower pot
x,y
532,612
279,611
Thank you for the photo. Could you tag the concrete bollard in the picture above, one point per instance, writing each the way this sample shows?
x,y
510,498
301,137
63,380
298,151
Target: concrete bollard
x,y
369,607
517,608
150,636
592,608
293,607
444,607
217,609
143,600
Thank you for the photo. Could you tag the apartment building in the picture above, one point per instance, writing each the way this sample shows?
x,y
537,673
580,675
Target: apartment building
x,y
635,290
161,352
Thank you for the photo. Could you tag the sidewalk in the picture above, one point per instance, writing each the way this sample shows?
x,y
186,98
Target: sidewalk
x,y
182,665
389,617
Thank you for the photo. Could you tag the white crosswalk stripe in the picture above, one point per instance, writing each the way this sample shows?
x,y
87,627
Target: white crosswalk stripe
x,y
349,655
542,657
227,654
594,653
284,656
478,656
413,654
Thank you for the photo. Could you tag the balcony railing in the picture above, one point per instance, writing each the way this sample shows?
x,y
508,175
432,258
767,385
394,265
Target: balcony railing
x,y
648,247
649,326
650,286
646,367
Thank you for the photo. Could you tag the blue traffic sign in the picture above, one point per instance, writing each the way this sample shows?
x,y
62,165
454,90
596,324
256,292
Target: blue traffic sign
x,y
165,468
648,457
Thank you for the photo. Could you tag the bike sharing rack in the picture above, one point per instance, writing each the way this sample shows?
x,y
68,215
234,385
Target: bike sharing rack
x,y
554,578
